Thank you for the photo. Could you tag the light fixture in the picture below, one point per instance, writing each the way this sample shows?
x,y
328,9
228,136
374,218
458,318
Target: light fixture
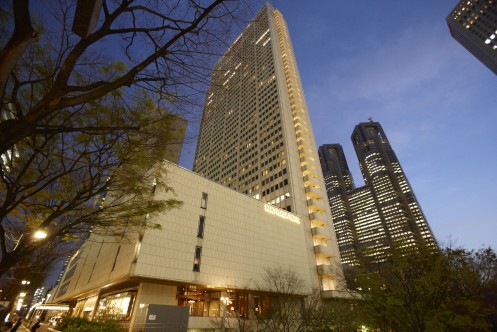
x,y
225,300
39,234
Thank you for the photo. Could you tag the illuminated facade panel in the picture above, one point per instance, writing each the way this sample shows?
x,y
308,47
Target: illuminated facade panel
x,y
381,215
473,23
256,136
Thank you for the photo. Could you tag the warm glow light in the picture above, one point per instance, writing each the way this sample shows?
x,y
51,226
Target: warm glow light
x,y
40,234
54,307
225,300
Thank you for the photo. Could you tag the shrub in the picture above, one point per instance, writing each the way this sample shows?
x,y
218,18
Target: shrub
x,y
84,325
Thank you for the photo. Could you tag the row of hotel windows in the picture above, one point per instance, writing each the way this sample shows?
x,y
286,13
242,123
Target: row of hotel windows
x,y
275,187
274,177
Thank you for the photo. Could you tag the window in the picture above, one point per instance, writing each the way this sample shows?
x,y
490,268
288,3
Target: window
x,y
201,224
196,261
203,203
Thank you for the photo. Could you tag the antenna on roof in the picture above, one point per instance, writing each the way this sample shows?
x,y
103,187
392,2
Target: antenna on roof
x,y
370,119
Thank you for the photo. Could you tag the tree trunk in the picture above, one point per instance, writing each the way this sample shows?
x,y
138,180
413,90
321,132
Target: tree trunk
x,y
21,38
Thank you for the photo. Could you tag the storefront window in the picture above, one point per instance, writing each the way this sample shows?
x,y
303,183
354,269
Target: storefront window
x,y
116,306
206,302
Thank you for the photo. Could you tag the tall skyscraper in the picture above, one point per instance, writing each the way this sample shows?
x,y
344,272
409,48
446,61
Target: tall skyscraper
x,y
473,23
339,183
382,214
256,136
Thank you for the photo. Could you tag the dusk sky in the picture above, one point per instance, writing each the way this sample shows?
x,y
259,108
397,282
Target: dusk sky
x,y
396,62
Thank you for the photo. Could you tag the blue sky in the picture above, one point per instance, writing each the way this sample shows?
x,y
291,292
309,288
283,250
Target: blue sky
x,y
396,62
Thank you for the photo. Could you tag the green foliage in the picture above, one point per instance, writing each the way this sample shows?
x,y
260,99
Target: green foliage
x,y
428,290
84,325
71,182
342,315
87,128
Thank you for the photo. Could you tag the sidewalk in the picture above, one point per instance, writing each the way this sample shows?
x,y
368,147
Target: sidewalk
x,y
42,328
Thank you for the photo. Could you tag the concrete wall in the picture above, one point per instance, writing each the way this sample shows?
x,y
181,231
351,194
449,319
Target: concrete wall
x,y
240,240
240,237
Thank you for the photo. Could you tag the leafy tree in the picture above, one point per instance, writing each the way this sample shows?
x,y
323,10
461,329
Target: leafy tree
x,y
69,184
85,119
428,290
342,315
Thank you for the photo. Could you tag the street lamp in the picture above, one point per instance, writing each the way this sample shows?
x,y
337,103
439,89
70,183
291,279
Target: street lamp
x,y
40,235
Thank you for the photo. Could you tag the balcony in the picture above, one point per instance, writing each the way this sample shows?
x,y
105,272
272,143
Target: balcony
x,y
310,173
305,156
300,126
322,250
301,135
319,232
319,237
311,194
312,207
304,148
316,221
307,166
309,181
325,271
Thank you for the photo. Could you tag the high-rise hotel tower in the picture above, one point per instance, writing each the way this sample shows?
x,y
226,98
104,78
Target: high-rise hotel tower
x,y
256,137
473,23
381,215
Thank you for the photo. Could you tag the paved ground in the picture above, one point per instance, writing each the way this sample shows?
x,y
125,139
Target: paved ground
x,y
43,328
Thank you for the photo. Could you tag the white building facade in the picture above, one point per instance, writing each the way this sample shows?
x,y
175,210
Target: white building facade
x,y
217,244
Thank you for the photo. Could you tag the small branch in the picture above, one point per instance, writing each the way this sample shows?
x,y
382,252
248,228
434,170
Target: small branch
x,y
57,129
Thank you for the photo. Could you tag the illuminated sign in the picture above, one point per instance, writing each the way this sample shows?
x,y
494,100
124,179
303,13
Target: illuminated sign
x,y
53,307
281,213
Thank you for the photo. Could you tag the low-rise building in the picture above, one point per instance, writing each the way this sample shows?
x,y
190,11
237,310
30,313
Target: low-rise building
x,y
216,245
